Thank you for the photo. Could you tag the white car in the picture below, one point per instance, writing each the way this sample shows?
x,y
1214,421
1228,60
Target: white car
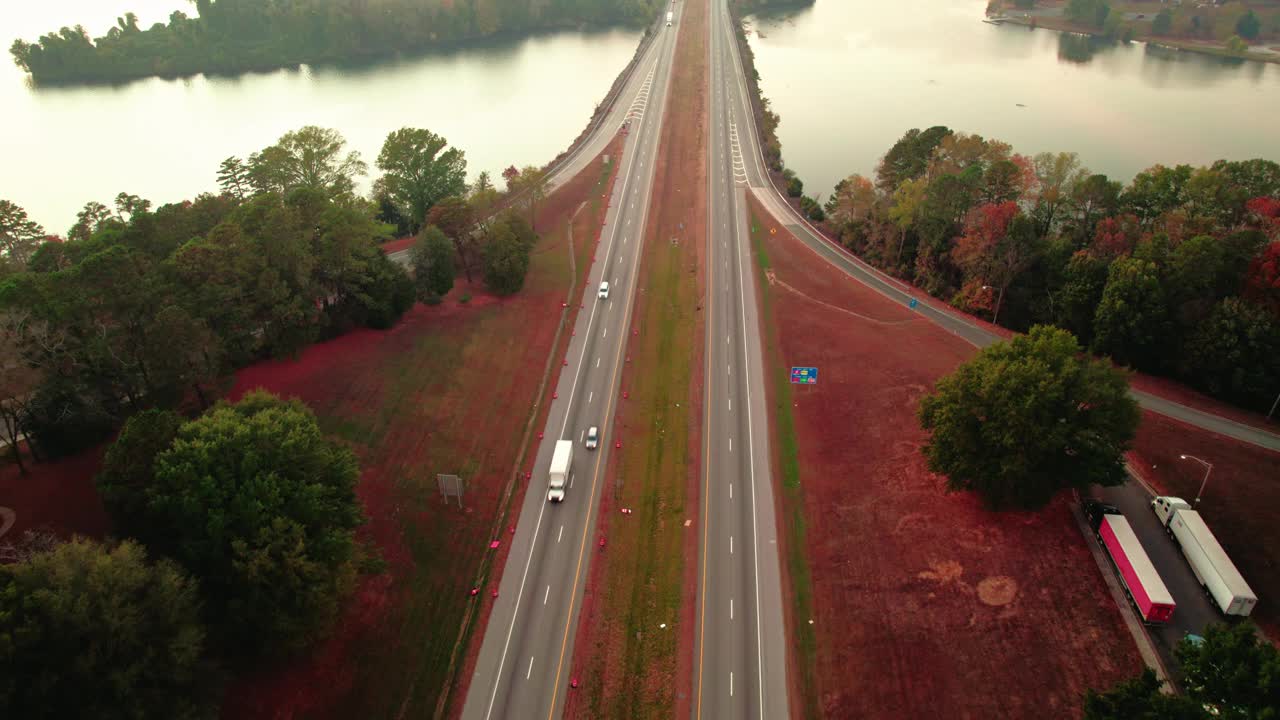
x,y
593,438
604,291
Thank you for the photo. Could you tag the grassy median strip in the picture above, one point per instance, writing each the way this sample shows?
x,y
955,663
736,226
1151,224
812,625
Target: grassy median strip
x,y
788,462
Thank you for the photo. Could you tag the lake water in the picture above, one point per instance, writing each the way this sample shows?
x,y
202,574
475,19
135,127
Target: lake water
x,y
849,77
518,102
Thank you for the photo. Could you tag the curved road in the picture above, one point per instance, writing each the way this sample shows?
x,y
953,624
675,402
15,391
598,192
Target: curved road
x,y
522,671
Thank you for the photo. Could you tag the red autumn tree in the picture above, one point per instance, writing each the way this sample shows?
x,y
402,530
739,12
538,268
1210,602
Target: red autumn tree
x,y
989,254
1262,282
1264,212
1114,237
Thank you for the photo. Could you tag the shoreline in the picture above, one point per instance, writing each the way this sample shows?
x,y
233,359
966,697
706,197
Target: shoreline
x,y
1057,24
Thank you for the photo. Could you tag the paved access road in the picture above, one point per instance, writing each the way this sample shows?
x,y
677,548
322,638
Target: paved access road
x,y
740,660
523,668
1194,608
631,102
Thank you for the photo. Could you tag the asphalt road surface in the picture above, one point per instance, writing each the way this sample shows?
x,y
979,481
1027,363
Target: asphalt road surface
x,y
740,662
631,102
523,668
1194,609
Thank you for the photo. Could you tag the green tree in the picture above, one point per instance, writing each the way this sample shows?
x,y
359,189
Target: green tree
x,y
128,471
1236,46
909,157
1163,23
532,182
1248,26
91,631
432,260
1027,418
455,217
1076,302
1131,323
419,171
233,178
261,508
505,260
1140,698
310,157
89,220
19,235
1233,671
1235,354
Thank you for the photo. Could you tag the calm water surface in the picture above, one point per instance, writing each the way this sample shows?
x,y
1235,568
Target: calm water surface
x,y
521,102
849,77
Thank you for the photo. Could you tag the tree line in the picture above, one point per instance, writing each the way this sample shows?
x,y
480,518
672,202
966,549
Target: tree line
x,y
232,36
143,307
1175,274
239,548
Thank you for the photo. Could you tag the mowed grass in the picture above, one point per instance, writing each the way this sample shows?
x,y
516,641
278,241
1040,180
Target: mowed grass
x,y
452,389
787,459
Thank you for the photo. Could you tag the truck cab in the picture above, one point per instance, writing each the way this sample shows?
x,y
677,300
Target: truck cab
x,y
1165,506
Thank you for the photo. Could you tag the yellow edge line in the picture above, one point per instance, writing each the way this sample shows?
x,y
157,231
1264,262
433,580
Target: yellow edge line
x,y
706,415
595,476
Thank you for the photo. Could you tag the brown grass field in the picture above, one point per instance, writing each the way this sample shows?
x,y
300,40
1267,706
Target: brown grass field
x,y
629,667
1241,501
922,603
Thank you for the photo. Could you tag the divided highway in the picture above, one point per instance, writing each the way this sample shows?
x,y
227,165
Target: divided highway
x,y
740,661
522,670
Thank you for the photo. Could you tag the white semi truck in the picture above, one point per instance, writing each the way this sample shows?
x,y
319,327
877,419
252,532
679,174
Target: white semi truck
x,y
670,16
1208,561
561,468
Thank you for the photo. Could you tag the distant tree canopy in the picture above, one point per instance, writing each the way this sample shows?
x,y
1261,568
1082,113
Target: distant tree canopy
x,y
1029,417
93,631
256,503
229,36
1176,273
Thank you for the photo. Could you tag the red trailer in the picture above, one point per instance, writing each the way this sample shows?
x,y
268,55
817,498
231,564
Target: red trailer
x,y
1141,580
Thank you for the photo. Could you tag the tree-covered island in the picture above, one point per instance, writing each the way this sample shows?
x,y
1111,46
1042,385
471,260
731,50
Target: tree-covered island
x,y
233,36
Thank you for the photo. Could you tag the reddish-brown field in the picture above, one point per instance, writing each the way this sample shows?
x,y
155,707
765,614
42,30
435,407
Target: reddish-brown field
x,y
923,603
57,496
1241,501
633,651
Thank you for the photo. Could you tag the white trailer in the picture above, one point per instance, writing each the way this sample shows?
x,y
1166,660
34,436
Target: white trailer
x,y
561,468
1208,561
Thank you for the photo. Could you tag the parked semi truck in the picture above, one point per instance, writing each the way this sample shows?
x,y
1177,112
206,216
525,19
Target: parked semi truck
x,y
561,466
1208,561
1141,581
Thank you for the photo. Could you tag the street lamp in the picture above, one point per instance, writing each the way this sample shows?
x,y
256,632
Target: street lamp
x,y
1208,468
995,316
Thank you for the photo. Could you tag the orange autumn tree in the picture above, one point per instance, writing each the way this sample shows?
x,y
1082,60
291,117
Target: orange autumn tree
x,y
995,248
